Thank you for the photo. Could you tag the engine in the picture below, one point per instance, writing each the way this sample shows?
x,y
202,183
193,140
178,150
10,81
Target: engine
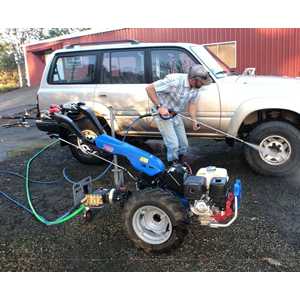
x,y
207,193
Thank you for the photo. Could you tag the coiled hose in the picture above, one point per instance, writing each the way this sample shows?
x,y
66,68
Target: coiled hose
x,y
62,219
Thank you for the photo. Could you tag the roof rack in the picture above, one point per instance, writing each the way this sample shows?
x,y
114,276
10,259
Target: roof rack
x,y
102,43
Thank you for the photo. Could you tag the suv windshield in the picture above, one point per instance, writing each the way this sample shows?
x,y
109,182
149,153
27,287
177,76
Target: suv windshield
x,y
215,65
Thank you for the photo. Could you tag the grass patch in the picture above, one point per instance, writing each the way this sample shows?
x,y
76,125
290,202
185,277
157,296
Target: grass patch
x,y
8,87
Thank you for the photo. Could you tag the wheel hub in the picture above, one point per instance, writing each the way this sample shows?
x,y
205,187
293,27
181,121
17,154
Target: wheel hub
x,y
90,135
279,150
152,225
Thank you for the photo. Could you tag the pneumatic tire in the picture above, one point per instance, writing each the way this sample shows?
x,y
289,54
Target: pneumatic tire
x,y
274,135
155,221
88,129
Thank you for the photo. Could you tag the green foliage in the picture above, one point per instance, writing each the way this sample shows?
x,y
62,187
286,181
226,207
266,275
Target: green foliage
x,y
8,87
14,39
8,69
7,61
54,32
8,80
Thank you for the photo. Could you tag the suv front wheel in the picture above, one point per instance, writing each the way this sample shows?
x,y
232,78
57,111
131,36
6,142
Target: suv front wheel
x,y
280,137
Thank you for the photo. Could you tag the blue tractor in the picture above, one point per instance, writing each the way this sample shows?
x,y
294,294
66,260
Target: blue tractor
x,y
165,200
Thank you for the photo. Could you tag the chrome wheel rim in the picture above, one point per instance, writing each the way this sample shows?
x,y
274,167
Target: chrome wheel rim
x,y
278,150
152,225
90,135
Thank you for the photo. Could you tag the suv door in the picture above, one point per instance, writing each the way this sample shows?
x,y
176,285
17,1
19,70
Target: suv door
x,y
72,77
178,60
122,86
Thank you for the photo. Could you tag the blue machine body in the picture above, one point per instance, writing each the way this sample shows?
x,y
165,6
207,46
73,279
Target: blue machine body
x,y
141,160
237,190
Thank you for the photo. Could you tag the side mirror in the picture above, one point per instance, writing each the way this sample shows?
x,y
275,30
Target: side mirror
x,y
249,72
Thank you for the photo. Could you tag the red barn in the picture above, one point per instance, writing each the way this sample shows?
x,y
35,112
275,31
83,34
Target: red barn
x,y
272,51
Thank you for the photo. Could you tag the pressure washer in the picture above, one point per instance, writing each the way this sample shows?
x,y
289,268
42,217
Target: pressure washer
x,y
165,200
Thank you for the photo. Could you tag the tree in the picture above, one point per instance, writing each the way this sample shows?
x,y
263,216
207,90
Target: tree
x,y
17,37
54,32
7,61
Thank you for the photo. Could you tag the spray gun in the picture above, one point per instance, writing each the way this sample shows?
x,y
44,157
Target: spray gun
x,y
264,151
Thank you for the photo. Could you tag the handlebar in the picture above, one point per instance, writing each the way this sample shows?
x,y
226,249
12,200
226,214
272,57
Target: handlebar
x,y
171,115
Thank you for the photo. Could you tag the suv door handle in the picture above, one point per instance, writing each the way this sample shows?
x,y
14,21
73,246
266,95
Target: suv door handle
x,y
102,95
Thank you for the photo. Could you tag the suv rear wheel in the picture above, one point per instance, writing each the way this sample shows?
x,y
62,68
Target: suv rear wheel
x,y
284,140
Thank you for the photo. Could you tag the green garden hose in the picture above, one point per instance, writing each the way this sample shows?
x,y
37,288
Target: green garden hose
x,y
62,219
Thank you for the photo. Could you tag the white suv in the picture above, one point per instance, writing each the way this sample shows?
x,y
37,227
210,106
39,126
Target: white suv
x,y
263,109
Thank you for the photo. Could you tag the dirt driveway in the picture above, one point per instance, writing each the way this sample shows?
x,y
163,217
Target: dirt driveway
x,y
16,101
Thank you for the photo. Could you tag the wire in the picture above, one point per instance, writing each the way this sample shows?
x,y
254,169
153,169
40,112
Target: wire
x,y
23,177
130,126
102,174
15,201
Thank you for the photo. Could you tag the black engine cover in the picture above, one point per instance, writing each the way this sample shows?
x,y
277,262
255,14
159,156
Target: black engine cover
x,y
218,191
195,187
173,178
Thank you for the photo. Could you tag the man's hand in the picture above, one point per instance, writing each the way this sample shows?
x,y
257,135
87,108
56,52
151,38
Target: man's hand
x,y
163,111
196,125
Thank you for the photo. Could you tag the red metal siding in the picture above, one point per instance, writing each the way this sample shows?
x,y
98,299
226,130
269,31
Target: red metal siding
x,y
274,51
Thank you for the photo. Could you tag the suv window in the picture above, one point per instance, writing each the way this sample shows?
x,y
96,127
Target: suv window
x,y
166,61
74,69
125,67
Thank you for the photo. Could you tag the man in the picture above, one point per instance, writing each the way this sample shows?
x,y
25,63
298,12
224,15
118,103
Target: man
x,y
172,95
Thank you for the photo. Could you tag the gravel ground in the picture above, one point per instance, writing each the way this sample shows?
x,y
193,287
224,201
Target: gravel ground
x,y
266,237
17,100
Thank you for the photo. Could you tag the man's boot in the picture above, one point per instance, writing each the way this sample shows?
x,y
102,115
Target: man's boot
x,y
182,161
173,162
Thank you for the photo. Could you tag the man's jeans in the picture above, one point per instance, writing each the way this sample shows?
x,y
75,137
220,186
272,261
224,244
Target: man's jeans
x,y
174,136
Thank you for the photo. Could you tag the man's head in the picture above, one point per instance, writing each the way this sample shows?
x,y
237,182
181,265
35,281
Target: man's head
x,y
198,76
